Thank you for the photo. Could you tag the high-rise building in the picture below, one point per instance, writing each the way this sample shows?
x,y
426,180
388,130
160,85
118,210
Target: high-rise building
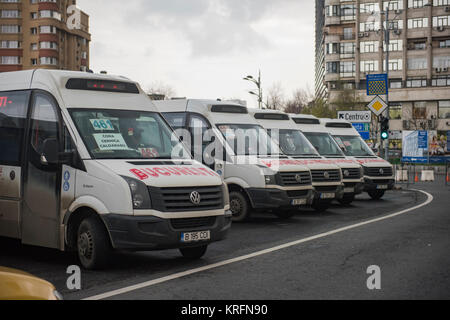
x,y
351,37
50,34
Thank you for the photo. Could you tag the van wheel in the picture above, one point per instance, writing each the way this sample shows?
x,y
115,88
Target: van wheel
x,y
239,207
93,244
321,206
347,200
194,253
376,195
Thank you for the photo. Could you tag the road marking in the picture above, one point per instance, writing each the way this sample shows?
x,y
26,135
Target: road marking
x,y
150,283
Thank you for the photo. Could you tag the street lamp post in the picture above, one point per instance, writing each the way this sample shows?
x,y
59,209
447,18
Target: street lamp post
x,y
387,40
259,86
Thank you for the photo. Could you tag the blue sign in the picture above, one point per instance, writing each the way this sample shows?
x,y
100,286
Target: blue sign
x,y
423,140
377,84
363,129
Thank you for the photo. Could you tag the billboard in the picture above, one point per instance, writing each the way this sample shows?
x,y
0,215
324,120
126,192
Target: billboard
x,y
426,146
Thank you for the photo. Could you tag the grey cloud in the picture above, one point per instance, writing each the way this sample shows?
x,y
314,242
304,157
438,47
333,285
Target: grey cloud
x,y
212,27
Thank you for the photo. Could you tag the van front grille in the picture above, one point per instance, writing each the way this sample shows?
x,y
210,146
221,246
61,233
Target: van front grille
x,y
352,174
291,179
193,223
180,199
326,175
378,172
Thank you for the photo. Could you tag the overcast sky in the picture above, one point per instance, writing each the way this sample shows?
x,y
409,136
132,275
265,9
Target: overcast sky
x,y
203,48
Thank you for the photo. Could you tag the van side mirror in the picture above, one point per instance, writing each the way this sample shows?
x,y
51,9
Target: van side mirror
x,y
51,155
49,151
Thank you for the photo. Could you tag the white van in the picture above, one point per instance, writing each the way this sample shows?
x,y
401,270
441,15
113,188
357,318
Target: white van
x,y
87,163
323,142
326,176
256,179
378,173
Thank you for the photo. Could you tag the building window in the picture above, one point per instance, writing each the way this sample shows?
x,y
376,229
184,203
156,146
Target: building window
x,y
441,2
347,69
48,61
422,45
11,29
441,62
10,44
416,83
10,14
440,21
415,4
444,43
444,109
10,60
420,110
394,65
332,48
348,34
442,81
394,45
369,66
417,23
417,63
393,5
395,111
395,84
347,50
369,46
333,67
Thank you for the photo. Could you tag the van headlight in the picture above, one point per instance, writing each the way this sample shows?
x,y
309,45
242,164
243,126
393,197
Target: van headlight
x,y
270,180
139,194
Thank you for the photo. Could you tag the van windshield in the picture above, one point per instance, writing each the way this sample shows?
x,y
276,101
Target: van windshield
x,y
293,143
249,140
354,146
124,134
324,144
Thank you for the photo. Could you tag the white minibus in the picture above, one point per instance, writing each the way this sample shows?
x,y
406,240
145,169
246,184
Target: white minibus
x,y
258,175
326,175
88,164
378,173
323,142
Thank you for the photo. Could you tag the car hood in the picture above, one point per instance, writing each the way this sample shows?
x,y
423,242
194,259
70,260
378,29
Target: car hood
x,y
373,162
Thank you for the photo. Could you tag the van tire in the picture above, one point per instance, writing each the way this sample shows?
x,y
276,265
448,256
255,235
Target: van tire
x,y
377,194
93,245
239,206
194,253
321,206
347,200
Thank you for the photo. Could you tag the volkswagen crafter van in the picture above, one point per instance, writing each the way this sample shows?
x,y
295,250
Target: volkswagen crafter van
x,y
87,163
326,176
258,175
323,142
378,173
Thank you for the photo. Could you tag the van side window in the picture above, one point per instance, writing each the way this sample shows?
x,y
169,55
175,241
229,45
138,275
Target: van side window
x,y
176,120
13,114
44,123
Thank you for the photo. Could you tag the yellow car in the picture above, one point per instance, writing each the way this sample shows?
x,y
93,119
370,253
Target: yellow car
x,y
19,285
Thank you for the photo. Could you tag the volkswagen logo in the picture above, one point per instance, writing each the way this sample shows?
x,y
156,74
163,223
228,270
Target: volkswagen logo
x,y
195,198
326,175
381,171
346,173
298,178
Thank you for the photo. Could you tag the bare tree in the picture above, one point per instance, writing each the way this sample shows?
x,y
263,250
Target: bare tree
x,y
299,101
275,97
159,88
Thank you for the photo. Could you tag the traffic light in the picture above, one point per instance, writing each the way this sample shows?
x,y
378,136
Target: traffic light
x,y
384,128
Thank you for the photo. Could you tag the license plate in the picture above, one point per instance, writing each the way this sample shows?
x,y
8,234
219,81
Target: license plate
x,y
349,190
327,196
298,202
382,187
195,236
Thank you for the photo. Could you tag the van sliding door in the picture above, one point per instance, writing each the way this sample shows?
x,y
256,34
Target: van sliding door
x,y
13,114
42,184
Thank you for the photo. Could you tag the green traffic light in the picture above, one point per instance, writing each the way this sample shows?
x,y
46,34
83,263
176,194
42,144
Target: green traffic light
x,y
385,135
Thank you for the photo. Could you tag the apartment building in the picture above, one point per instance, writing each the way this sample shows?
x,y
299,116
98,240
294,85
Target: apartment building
x,y
48,34
353,42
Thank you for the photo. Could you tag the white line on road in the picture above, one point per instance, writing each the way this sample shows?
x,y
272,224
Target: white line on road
x,y
255,254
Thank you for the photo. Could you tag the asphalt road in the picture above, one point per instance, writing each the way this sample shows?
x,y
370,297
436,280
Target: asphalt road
x,y
412,251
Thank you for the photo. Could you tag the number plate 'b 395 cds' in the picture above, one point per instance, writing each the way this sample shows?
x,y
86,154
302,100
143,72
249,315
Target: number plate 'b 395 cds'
x,y
187,237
